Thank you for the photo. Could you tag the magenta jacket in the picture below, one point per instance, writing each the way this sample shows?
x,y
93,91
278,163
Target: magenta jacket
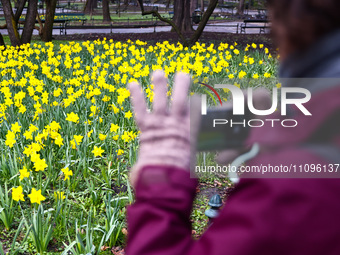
x,y
262,216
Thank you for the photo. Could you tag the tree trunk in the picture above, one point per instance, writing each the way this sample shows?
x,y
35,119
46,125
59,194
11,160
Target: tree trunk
x,y
106,11
197,33
202,5
16,3
90,5
193,6
2,42
240,8
126,5
167,4
182,15
19,8
49,18
210,9
10,22
31,15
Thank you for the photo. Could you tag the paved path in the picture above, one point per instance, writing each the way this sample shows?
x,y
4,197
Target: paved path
x,y
226,27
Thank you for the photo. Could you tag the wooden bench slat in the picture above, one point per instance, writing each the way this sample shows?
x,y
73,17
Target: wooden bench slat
x,y
247,24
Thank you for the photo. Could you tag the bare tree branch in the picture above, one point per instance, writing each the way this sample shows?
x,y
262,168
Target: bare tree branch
x,y
170,22
210,9
41,25
19,10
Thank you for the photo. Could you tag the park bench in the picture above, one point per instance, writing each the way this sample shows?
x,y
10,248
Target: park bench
x,y
261,24
71,16
60,24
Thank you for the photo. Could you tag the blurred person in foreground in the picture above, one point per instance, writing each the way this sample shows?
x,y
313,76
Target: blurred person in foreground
x,y
262,215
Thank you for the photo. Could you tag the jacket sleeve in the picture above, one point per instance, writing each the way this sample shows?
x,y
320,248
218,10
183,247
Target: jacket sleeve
x,y
158,221
262,216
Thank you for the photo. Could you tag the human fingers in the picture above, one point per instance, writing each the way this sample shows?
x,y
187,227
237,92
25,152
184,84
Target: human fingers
x,y
138,101
160,89
180,94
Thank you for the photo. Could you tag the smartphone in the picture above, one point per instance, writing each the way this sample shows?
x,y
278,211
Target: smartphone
x,y
220,130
